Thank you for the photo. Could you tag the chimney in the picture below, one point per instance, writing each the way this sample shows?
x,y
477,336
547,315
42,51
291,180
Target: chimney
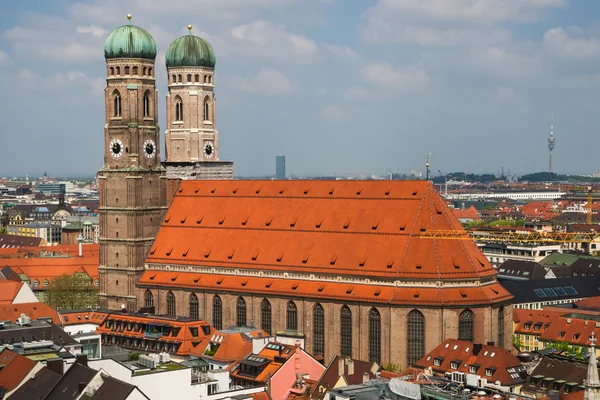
x,y
365,377
477,349
81,359
56,366
350,366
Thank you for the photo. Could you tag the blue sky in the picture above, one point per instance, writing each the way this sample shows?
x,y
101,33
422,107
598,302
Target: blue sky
x,y
338,86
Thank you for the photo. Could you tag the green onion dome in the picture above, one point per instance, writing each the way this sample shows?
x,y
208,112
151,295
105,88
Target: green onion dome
x,y
190,51
129,41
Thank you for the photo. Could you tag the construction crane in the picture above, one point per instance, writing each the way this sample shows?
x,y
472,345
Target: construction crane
x,y
524,237
590,199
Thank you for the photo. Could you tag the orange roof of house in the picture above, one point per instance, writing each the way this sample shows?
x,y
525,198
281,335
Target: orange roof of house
x,y
328,227
505,366
40,268
10,312
591,303
42,251
75,317
286,352
470,212
9,290
534,322
184,336
16,368
373,293
260,396
574,329
233,346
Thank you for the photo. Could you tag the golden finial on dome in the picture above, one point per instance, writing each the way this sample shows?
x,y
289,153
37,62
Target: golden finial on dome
x,y
129,17
190,28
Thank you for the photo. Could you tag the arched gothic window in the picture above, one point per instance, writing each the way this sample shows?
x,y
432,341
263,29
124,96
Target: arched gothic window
x,y
465,325
194,306
135,70
292,316
179,79
116,103
118,70
144,70
318,330
196,78
265,316
501,327
150,71
217,312
415,332
174,79
147,104
189,78
206,110
241,312
112,70
148,299
127,70
178,109
374,336
205,79
209,79
171,304
346,332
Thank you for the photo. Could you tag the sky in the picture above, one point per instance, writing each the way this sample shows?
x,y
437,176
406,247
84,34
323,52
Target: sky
x,y
338,86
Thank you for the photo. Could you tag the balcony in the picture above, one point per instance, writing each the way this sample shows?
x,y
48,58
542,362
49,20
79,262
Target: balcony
x,y
153,335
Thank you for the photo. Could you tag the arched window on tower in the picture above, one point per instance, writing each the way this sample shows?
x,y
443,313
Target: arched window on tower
x,y
415,333
217,312
210,79
346,332
292,316
112,71
465,325
194,313
116,103
206,110
318,330
178,109
118,70
148,299
374,336
265,316
179,79
147,104
501,327
171,304
150,71
144,70
127,70
205,78
196,78
135,70
174,79
189,78
241,312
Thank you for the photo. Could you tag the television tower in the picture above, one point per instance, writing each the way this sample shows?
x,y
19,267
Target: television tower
x,y
551,142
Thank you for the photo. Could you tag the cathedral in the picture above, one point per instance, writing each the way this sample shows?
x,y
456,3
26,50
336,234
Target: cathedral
x,y
342,264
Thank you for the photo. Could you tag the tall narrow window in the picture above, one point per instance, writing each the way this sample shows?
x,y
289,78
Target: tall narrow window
x,y
170,304
265,316
292,316
346,332
144,71
209,79
318,330
147,104
374,336
148,299
217,312
174,79
150,71
501,327
205,79
415,332
126,70
116,104
135,70
241,312
465,325
206,110
178,109
189,78
196,78
112,70
179,78
118,70
194,306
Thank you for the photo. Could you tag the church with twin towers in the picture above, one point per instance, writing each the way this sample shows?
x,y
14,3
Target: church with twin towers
x,y
342,264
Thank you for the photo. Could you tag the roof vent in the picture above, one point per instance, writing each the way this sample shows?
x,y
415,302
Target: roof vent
x,y
295,286
293,224
463,294
268,223
183,220
234,191
167,219
359,191
416,295
245,283
220,281
347,224
331,191
153,251
280,257
207,253
222,220
375,226
318,225
244,222
391,262
281,191
306,191
415,192
255,256
387,192
173,279
199,221
333,260
258,191
305,259
186,252
362,263
169,252
321,288
349,290
377,292
213,190
230,256
197,190
268,285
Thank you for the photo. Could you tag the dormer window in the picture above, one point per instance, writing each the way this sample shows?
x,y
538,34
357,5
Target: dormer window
x,y
437,361
454,365
489,372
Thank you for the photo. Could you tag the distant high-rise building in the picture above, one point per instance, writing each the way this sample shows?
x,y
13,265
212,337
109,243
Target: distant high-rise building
x,y
551,142
280,167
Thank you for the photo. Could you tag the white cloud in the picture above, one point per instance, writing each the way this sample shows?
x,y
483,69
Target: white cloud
x,y
92,30
384,75
570,43
428,36
357,93
332,112
266,81
341,51
267,40
4,59
71,79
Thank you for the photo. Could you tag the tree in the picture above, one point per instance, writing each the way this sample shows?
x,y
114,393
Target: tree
x,y
517,343
565,347
72,292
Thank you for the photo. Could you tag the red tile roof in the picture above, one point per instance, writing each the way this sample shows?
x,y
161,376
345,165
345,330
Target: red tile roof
x,y
275,359
9,290
534,322
327,227
10,312
591,303
463,355
49,268
231,346
16,368
75,317
573,328
469,213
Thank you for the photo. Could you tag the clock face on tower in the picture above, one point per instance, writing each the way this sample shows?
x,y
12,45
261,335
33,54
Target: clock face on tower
x,y
209,149
149,149
116,148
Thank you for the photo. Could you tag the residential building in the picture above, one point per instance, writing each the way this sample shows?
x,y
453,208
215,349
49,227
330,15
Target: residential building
x,y
342,372
49,233
476,365
466,216
51,189
524,270
498,253
555,373
16,369
16,292
280,167
530,324
14,241
81,325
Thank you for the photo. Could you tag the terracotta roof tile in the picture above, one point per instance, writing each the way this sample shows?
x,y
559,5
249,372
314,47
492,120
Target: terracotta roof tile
x,y
10,312
316,226
16,368
9,290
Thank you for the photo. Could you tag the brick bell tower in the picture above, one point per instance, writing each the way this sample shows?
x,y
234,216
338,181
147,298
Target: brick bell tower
x,y
132,182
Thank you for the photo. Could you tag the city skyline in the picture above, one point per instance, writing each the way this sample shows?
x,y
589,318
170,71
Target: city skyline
x,y
475,88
